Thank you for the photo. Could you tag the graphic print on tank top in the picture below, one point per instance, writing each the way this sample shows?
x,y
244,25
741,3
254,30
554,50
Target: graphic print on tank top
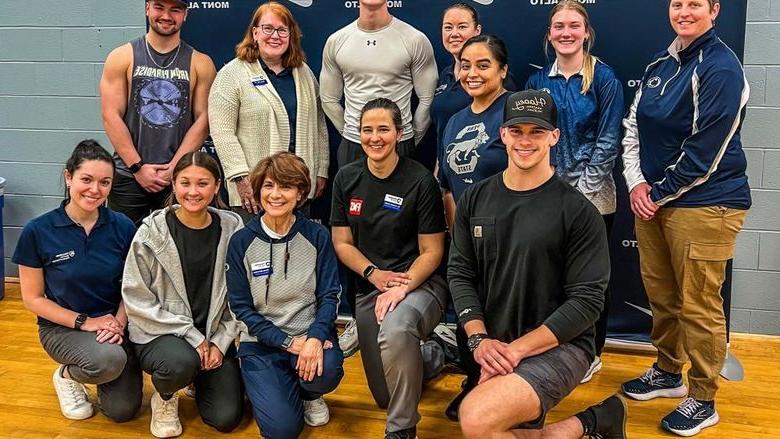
x,y
162,101
462,155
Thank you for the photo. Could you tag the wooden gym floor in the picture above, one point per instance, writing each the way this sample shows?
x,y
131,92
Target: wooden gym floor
x,y
29,408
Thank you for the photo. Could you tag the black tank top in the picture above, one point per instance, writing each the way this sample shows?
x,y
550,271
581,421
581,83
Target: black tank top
x,y
159,110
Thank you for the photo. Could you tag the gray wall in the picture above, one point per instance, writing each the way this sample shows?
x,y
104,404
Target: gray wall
x,y
756,297
51,55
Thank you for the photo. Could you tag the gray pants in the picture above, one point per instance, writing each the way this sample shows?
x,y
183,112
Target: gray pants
x,y
112,367
391,352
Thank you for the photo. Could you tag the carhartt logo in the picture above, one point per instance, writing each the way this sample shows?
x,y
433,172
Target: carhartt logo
x,y
370,42
303,3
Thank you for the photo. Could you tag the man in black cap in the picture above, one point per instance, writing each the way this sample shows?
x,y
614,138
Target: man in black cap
x,y
528,267
154,94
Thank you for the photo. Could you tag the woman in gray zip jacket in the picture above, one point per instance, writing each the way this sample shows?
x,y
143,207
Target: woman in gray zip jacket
x,y
176,298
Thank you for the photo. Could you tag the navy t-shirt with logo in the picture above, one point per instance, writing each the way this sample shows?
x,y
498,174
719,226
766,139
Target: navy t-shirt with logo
x,y
472,147
81,272
385,215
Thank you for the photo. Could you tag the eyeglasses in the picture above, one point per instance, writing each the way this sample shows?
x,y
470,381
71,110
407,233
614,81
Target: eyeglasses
x,y
267,29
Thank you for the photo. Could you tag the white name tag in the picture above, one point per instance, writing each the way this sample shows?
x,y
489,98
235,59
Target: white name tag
x,y
262,268
392,202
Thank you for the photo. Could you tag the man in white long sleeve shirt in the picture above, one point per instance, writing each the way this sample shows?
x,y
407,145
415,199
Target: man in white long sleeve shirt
x,y
377,55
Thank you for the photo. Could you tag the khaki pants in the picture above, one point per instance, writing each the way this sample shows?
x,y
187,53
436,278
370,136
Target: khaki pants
x,y
683,254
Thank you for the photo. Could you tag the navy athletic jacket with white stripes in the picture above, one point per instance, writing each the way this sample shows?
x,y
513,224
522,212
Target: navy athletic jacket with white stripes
x,y
683,129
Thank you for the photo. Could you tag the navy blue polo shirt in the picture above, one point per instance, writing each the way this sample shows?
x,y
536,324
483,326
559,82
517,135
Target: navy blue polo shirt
x,y
81,272
451,98
284,83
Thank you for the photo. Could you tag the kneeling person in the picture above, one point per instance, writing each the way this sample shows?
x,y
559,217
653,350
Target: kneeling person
x,y
528,267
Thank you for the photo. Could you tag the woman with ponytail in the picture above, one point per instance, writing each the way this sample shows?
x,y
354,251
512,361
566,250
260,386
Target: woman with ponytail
x,y
589,98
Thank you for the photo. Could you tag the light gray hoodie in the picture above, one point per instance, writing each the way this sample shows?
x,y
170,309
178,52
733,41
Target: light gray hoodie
x,y
153,287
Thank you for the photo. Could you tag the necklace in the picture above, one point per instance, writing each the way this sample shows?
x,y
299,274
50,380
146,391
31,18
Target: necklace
x,y
149,52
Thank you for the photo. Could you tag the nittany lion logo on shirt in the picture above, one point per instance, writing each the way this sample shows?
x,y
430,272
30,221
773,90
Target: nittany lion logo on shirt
x,y
462,155
653,82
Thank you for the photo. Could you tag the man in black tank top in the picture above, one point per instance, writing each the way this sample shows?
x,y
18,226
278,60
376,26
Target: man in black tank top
x,y
154,93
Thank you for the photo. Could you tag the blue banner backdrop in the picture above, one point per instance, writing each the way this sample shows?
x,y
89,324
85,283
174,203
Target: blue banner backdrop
x,y
628,33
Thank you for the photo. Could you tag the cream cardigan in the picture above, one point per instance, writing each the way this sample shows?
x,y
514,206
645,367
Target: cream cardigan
x,y
249,123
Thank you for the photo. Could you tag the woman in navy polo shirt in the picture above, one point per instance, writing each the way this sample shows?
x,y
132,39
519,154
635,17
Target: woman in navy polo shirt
x,y
176,298
589,98
70,268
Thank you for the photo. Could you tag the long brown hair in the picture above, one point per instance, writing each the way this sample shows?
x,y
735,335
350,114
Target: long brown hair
x,y
247,49
589,61
201,160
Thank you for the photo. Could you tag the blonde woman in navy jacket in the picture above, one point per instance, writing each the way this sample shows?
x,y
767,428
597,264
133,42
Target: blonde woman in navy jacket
x,y
589,98
685,170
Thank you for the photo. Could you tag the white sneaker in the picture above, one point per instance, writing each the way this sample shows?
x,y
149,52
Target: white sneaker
x,y
348,340
74,403
315,413
165,416
592,370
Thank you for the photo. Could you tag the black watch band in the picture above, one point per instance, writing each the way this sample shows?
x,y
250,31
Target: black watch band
x,y
367,272
474,340
80,319
136,166
287,342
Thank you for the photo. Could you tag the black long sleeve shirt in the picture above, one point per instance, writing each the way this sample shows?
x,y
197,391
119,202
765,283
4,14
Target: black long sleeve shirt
x,y
520,259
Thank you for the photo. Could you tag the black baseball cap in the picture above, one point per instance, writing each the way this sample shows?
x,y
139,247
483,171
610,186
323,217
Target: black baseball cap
x,y
531,106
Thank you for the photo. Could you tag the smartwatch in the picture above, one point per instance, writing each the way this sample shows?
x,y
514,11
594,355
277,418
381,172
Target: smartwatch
x,y
137,166
474,340
287,342
367,272
80,319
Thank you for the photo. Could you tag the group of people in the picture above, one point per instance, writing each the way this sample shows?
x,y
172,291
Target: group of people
x,y
167,278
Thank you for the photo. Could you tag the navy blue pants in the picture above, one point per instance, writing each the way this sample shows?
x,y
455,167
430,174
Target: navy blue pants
x,y
276,391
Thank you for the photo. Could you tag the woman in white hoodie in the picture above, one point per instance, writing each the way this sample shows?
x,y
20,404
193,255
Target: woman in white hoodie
x,y
175,294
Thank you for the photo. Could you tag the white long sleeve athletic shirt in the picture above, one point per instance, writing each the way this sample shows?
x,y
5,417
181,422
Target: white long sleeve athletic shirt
x,y
390,62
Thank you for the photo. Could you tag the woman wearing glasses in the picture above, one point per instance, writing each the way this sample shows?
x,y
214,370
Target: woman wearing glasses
x,y
265,101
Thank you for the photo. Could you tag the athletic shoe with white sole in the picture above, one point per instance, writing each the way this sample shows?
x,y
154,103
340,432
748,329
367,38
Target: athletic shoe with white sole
x,y
655,383
315,412
595,366
348,340
165,416
690,417
74,402
605,420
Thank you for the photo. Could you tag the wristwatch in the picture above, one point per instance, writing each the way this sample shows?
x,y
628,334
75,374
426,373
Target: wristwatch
x,y
137,166
80,319
474,340
287,342
367,272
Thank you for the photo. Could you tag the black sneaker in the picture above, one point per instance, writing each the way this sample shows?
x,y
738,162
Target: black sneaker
x,y
690,417
409,433
609,419
655,383
451,412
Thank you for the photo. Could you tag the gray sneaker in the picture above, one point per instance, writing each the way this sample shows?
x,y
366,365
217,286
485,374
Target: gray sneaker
x,y
348,340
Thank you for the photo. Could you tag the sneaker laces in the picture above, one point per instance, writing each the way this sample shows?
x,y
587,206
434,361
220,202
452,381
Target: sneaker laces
x,y
75,391
689,407
650,376
169,410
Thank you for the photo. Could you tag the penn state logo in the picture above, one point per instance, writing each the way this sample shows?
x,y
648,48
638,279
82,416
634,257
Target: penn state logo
x,y
303,3
483,2
653,82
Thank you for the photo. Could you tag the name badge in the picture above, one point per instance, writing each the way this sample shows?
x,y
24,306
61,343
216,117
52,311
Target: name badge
x,y
261,269
259,81
393,203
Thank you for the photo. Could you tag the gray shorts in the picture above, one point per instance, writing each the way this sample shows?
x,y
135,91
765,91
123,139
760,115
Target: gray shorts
x,y
553,375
